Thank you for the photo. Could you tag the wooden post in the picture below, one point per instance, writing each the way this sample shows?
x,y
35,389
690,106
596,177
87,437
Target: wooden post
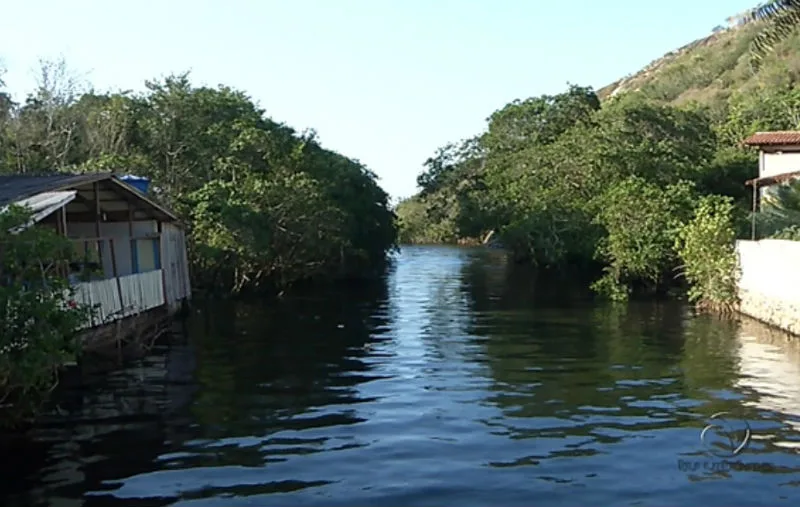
x,y
753,215
116,275
97,223
134,267
62,268
65,231
2,256
85,259
184,263
64,228
161,262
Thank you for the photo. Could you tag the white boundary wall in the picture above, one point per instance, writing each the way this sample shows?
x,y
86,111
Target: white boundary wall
x,y
769,284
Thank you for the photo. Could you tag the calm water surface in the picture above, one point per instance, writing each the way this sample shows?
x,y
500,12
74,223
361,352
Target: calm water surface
x,y
458,381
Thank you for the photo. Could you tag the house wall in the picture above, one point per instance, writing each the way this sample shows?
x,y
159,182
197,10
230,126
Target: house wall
x,y
134,294
780,162
166,253
175,264
769,282
119,232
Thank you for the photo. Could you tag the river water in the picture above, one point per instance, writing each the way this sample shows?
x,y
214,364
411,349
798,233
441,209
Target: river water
x,y
459,380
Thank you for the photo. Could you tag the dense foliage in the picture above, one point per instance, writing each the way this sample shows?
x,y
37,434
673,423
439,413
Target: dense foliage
x,y
705,246
638,183
266,206
618,188
40,319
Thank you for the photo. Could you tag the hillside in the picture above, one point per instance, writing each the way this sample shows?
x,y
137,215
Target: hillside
x,y
712,69
630,183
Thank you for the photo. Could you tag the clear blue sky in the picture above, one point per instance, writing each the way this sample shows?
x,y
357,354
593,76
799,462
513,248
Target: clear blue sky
x,y
383,81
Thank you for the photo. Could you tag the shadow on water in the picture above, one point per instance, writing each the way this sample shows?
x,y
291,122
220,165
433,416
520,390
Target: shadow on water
x,y
458,379
256,361
249,370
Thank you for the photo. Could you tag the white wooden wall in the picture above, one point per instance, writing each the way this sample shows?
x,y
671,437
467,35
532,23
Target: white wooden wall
x,y
120,233
175,263
140,292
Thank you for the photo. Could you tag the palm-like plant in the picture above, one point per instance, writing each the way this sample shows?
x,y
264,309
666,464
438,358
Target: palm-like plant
x,y
787,196
779,18
780,211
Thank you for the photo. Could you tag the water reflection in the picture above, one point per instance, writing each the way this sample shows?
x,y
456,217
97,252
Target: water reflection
x,y
769,371
459,379
87,437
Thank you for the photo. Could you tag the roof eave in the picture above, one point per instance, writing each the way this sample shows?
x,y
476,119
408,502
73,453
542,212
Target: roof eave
x,y
770,144
138,194
83,179
772,139
67,184
768,181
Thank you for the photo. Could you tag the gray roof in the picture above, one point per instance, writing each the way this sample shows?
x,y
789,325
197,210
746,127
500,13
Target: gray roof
x,y
14,187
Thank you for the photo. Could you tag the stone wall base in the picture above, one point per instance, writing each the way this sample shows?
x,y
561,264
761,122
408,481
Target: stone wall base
x,y
770,310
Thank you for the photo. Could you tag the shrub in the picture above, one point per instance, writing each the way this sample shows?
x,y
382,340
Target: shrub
x,y
706,247
641,220
791,233
40,320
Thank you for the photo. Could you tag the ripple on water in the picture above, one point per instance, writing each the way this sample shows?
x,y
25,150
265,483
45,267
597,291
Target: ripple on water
x,y
458,380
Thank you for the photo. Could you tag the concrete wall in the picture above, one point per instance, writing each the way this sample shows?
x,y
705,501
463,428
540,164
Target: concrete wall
x,y
769,284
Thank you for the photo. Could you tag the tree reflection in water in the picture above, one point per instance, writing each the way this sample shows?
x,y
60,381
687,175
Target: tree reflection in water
x,y
455,368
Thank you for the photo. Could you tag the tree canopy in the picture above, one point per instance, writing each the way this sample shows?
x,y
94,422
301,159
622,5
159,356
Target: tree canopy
x,y
266,206
637,183
570,183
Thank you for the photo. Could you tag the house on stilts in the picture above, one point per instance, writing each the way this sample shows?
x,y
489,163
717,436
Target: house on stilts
x,y
138,247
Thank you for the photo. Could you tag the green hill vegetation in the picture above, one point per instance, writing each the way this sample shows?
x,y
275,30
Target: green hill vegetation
x,y
714,71
636,182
